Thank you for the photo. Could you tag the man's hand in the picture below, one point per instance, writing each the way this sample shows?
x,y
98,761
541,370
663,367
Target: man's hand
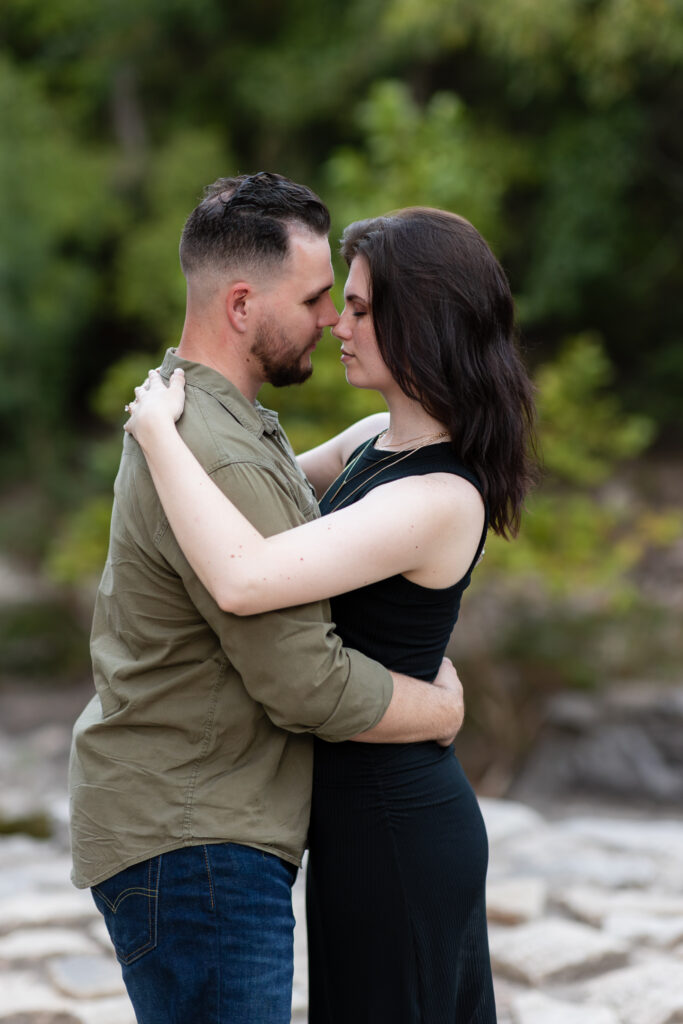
x,y
421,711
447,679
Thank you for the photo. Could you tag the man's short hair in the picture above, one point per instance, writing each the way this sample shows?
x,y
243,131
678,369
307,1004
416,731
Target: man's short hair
x,y
244,223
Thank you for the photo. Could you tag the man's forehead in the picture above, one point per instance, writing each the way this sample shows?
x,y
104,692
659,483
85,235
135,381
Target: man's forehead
x,y
307,245
310,258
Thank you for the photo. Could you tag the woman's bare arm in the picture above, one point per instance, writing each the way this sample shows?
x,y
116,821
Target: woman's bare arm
x,y
425,527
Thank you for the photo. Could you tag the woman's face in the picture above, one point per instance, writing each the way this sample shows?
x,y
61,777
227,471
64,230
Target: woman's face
x,y
365,367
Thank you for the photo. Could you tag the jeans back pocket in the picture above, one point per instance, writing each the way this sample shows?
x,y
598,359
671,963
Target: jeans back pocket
x,y
128,901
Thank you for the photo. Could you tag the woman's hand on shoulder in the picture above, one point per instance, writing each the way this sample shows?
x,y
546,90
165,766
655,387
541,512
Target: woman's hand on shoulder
x,y
156,406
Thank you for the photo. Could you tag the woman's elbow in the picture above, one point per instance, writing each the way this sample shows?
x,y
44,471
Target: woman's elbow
x,y
238,598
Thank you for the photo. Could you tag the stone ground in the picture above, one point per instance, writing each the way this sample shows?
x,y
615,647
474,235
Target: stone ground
x,y
586,910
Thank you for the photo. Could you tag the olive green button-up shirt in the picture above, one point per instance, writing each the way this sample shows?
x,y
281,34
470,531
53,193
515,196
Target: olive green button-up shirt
x,y
199,731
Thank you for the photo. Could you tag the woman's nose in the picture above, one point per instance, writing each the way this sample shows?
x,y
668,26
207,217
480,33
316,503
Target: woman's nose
x,y
341,329
328,313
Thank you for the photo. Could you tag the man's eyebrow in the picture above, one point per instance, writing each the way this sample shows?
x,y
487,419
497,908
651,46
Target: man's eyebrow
x,y
320,292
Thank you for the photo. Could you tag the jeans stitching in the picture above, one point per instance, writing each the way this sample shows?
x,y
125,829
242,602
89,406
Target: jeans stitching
x,y
208,875
137,890
152,894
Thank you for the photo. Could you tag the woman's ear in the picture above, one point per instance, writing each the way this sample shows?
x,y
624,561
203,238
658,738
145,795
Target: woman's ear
x,y
237,305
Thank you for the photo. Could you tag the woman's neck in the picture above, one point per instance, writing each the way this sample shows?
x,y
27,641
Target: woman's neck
x,y
409,426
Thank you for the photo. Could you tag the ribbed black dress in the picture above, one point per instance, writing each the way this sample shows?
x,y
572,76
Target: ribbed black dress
x,y
398,849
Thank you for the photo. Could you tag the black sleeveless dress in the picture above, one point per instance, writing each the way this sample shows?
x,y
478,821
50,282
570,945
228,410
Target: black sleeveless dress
x,y
397,846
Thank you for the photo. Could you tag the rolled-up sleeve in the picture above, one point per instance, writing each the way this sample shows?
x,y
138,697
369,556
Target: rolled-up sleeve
x,y
290,661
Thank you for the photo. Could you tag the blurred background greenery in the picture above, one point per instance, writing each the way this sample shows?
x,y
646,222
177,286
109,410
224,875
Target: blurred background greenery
x,y
554,127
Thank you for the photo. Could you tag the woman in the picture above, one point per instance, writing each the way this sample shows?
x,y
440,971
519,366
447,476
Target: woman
x,y
398,851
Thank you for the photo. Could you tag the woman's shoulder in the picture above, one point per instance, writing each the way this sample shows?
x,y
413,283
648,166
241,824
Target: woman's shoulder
x,y
427,461
437,501
443,487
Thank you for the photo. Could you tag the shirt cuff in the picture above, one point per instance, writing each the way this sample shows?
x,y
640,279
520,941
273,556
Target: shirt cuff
x,y
365,698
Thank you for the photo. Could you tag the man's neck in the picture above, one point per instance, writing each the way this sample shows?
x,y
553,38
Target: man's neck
x,y
223,360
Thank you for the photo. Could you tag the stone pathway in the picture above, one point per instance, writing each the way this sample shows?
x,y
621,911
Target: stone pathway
x,y
586,913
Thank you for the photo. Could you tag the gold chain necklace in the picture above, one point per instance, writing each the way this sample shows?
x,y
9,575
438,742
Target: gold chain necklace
x,y
348,476
408,440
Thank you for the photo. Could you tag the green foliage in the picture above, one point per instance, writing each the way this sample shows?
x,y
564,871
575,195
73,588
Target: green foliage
x,y
583,428
592,92
575,544
604,45
48,284
116,388
41,638
78,552
422,156
37,825
579,646
581,225
150,286
574,538
554,127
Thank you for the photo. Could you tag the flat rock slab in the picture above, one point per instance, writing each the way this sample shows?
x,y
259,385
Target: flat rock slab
x,y
644,994
87,977
46,873
663,837
41,1018
20,849
45,908
644,930
516,900
536,1008
505,818
553,950
592,904
564,858
104,1011
39,943
24,992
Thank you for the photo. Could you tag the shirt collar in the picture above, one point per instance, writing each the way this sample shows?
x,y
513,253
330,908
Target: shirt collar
x,y
254,418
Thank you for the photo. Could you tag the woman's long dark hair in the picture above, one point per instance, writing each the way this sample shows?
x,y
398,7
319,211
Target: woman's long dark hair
x,y
444,320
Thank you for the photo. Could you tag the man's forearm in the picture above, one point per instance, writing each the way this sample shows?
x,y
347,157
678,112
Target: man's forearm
x,y
419,711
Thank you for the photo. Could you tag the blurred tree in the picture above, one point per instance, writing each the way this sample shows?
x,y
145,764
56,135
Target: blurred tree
x,y
578,540
593,93
49,285
554,127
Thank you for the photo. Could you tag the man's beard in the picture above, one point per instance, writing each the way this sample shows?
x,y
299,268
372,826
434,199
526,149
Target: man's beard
x,y
280,364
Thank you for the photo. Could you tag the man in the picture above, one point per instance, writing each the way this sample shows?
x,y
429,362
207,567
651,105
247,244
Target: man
x,y
191,767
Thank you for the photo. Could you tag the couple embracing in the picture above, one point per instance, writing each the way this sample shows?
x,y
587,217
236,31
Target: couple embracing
x,y
239,714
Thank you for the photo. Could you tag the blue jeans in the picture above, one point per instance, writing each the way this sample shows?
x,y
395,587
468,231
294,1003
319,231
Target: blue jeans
x,y
204,935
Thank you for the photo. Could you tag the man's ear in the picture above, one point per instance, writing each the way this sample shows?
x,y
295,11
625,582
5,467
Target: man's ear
x,y
238,303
